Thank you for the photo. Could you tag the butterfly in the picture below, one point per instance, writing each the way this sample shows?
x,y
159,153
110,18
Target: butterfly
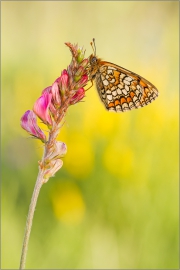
x,y
119,89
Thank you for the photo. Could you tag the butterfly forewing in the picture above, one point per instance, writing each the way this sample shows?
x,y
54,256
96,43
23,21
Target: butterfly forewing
x,y
120,89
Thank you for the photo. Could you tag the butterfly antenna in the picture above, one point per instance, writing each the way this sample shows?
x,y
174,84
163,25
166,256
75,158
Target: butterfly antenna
x,y
93,45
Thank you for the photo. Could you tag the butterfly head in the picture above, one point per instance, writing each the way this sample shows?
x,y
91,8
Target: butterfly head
x,y
93,59
94,62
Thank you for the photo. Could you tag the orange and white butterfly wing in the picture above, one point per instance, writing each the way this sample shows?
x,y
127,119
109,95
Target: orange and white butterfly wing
x,y
121,90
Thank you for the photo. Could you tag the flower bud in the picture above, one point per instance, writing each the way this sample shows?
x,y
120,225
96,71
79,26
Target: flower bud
x,y
82,81
80,56
79,71
84,63
80,93
28,122
77,78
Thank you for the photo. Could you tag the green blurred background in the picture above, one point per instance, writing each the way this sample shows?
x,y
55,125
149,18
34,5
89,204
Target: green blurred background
x,y
114,204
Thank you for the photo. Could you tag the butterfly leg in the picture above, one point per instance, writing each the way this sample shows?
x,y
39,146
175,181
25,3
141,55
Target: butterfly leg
x,y
90,85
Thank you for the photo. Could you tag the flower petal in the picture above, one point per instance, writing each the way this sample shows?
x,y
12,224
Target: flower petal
x,y
41,107
28,122
47,90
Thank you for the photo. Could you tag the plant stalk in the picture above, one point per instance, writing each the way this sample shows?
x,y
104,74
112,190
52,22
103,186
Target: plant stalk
x,y
29,220
39,182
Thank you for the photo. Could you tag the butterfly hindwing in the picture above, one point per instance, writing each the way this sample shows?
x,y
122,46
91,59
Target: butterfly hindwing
x,y
123,90
120,89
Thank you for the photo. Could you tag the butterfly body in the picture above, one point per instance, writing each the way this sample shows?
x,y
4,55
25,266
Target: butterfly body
x,y
120,89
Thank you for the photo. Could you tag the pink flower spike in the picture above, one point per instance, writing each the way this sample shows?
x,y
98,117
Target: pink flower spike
x,y
80,93
56,94
41,108
28,122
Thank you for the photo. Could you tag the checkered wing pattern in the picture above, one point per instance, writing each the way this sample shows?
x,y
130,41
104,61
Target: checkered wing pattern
x,y
120,89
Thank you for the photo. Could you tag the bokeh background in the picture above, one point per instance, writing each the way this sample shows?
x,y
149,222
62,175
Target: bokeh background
x,y
114,204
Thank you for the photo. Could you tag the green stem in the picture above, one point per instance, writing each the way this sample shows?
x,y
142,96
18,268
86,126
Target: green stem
x,y
29,220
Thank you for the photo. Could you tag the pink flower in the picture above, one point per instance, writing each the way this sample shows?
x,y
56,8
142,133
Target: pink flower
x,y
41,107
28,122
80,93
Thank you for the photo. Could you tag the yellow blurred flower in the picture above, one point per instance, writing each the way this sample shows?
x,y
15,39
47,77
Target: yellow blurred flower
x,y
68,204
80,158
